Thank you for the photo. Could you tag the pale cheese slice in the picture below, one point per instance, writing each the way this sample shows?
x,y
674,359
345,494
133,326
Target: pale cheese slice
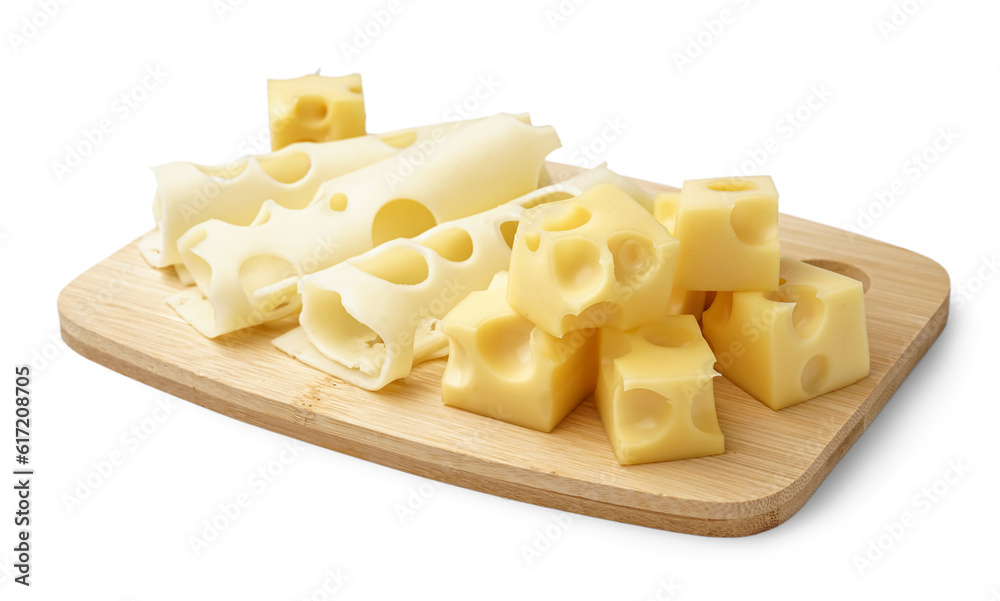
x,y
247,274
188,194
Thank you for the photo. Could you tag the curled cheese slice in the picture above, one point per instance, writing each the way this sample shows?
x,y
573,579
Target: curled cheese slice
x,y
246,275
188,194
369,319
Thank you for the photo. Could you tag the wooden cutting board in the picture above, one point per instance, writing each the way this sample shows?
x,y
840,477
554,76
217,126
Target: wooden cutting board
x,y
115,314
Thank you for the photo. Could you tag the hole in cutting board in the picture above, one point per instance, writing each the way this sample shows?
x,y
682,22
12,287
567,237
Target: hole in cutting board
x,y
844,269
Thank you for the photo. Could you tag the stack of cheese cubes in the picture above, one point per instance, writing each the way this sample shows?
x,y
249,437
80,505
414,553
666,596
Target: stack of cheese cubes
x,y
782,330
603,296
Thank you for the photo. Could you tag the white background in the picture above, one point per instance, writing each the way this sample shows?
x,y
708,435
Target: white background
x,y
879,95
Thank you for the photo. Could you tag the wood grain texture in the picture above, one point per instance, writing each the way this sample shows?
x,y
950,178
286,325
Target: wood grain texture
x,y
116,315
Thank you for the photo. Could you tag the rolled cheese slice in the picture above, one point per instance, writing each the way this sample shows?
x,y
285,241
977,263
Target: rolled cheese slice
x,y
188,194
369,319
246,275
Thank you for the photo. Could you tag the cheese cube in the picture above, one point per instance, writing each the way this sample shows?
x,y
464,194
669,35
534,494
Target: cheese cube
x,y
805,339
314,108
655,394
728,233
597,260
500,365
682,302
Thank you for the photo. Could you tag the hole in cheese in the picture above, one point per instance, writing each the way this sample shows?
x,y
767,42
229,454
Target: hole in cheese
x,y
337,334
730,185
458,372
263,216
311,108
401,218
633,256
752,219
507,230
562,217
642,414
665,335
453,245
400,139
504,343
263,270
814,374
577,267
397,265
703,414
532,239
286,169
807,315
224,173
338,202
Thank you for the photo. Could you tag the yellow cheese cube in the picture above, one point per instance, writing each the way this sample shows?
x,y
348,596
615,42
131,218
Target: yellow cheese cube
x,y
654,392
597,260
682,302
502,366
785,346
728,233
314,108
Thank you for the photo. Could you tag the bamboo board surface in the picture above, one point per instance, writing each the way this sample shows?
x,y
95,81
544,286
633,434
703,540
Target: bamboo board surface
x,y
116,314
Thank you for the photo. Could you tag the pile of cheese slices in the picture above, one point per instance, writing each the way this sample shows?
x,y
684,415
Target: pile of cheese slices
x,y
452,239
